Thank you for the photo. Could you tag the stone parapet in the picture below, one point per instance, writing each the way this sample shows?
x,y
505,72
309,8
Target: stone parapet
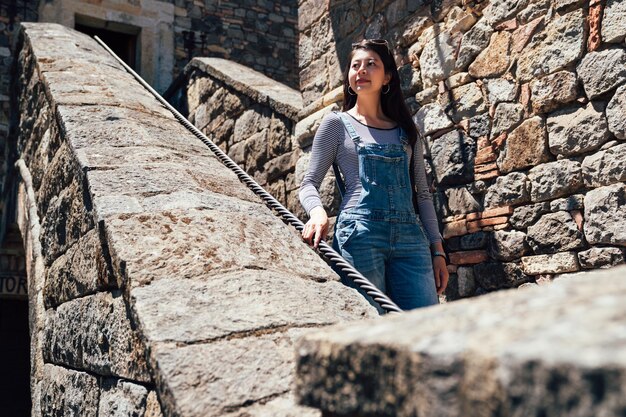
x,y
552,350
161,279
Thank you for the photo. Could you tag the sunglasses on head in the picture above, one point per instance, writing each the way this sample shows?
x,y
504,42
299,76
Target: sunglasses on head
x,y
374,41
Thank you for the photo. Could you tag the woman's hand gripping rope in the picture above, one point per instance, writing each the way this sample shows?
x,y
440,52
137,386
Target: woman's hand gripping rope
x,y
316,228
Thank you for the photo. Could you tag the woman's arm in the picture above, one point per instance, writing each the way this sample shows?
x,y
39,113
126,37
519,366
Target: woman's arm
x,y
429,218
323,153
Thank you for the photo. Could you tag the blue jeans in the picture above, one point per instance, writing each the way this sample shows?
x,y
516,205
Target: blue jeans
x,y
394,256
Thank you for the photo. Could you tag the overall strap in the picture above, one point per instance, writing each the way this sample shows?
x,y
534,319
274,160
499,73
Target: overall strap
x,y
353,135
404,138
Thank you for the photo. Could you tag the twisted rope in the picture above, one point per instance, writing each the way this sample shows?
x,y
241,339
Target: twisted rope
x,y
287,216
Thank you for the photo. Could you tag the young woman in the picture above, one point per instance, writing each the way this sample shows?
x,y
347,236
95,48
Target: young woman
x,y
375,144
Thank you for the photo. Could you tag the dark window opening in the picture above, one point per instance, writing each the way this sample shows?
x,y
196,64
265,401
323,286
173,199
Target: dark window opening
x,y
121,38
14,328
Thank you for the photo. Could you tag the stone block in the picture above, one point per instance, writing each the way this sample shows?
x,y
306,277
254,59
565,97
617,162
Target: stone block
x,y
249,370
615,111
200,310
431,118
508,245
495,59
467,102
437,59
66,220
453,158
605,167
461,201
480,126
524,216
94,333
122,398
555,232
605,215
414,27
473,241
474,41
508,190
466,282
550,92
556,263
572,202
577,130
500,11
614,22
80,271
500,90
523,34
499,275
507,116
256,150
545,356
602,71
562,45
66,392
457,228
208,236
601,257
525,146
280,166
305,129
555,179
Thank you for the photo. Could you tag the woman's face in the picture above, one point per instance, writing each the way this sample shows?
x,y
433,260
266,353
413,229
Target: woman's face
x,y
367,72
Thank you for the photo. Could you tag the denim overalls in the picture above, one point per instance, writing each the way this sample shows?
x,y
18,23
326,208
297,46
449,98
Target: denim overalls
x,y
381,236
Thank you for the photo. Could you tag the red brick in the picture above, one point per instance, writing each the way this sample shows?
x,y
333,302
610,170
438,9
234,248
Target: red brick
x,y
594,40
468,257
487,222
483,142
523,34
499,141
524,96
578,218
488,175
490,157
454,218
510,24
485,167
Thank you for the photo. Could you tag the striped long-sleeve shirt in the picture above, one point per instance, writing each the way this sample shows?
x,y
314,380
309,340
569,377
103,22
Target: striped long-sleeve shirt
x,y
332,142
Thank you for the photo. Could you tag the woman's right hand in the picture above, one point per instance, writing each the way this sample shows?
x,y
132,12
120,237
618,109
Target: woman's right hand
x,y
316,228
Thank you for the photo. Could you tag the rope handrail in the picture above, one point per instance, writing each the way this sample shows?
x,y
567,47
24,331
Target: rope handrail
x,y
366,285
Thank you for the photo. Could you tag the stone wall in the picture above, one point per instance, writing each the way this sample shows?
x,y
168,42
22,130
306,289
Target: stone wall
x,y
157,283
551,351
259,34
521,104
252,118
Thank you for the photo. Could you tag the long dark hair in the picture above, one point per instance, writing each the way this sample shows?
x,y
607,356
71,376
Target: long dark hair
x,y
392,103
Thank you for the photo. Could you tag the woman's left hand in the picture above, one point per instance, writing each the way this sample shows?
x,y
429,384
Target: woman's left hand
x,y
441,273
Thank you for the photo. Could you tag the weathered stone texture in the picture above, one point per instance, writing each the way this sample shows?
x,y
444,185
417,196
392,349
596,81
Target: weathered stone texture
x,y
122,399
555,232
500,90
239,302
602,71
95,333
615,111
507,116
510,189
437,59
495,59
605,167
554,179
557,263
473,42
81,270
561,44
406,365
614,21
524,216
601,257
68,393
577,130
431,118
525,146
508,245
461,201
549,92
499,275
605,215
467,101
453,158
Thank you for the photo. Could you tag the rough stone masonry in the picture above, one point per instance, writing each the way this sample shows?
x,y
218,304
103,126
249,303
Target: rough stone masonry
x,y
158,284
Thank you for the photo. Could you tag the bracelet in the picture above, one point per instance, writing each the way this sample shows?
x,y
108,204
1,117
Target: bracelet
x,y
437,253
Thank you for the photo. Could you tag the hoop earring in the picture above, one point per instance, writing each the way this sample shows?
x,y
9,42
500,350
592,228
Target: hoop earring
x,y
350,92
388,88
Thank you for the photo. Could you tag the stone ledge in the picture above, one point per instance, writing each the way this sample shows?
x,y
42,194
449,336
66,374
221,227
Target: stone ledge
x,y
259,87
541,350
